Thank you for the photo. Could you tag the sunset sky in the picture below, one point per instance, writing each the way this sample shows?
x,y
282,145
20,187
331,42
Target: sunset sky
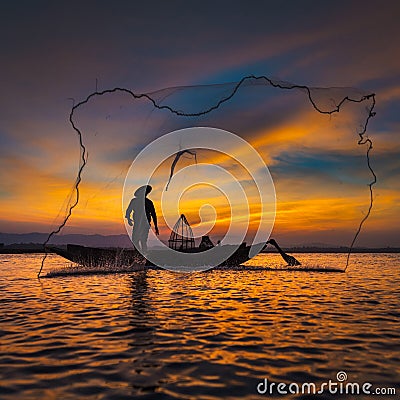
x,y
53,52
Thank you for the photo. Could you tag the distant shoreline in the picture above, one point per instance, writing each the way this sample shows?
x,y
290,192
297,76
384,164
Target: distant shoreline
x,y
21,249
337,250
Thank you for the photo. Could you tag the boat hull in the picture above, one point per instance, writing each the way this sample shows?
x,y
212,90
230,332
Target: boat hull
x,y
95,257
110,260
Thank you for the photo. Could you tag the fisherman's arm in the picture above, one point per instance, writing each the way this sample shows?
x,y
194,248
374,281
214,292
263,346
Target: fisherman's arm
x,y
154,217
128,213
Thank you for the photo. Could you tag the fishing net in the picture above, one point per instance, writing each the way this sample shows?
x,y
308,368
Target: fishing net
x,y
313,141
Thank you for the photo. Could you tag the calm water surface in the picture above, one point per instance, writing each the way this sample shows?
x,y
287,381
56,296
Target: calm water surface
x,y
211,335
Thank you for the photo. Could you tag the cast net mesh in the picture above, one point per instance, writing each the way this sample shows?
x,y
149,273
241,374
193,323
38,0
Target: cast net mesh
x,y
313,141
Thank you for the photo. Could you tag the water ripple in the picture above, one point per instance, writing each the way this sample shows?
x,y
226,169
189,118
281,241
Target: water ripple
x,y
210,335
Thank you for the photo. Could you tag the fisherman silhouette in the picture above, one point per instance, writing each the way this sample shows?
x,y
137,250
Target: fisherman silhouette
x,y
143,211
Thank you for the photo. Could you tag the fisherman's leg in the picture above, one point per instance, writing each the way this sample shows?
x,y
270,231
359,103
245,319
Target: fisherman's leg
x,y
145,235
144,246
135,239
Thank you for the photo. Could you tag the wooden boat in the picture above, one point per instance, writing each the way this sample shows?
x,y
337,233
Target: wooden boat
x,y
110,260
95,257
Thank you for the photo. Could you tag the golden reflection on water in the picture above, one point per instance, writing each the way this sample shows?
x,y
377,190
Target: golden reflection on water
x,y
215,334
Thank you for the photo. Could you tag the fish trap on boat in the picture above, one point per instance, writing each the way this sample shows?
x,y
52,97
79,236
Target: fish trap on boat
x,y
181,237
